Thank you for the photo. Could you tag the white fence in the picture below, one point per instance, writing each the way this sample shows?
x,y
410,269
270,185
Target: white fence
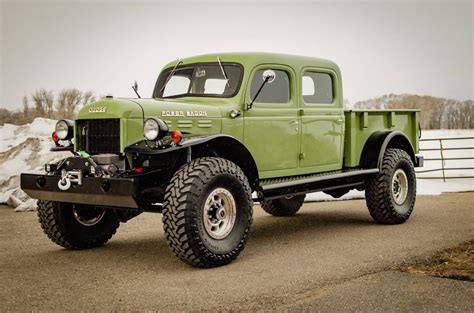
x,y
447,158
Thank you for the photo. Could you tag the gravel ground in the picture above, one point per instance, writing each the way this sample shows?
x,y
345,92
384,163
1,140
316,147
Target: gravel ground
x,y
286,261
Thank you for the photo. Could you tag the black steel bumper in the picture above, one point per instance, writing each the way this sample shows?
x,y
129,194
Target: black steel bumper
x,y
113,192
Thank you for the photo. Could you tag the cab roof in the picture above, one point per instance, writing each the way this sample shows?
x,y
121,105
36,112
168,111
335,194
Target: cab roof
x,y
252,59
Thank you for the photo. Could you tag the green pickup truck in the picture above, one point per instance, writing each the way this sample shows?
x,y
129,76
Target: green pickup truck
x,y
220,132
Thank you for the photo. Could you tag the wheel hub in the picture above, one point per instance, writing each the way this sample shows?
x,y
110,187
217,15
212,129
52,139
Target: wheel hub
x,y
219,213
88,216
399,186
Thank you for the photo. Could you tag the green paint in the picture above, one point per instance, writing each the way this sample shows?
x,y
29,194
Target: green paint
x,y
285,139
83,154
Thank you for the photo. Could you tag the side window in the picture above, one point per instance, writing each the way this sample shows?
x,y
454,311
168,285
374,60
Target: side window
x,y
278,91
317,88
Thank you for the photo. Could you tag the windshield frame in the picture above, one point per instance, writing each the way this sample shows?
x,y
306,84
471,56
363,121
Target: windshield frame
x,y
165,72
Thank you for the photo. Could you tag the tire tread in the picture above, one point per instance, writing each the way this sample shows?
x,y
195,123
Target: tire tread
x,y
51,218
377,194
182,192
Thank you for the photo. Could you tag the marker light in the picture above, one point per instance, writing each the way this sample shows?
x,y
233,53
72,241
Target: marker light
x,y
176,136
55,138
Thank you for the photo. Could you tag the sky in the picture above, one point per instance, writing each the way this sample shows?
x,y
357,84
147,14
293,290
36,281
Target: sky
x,y
416,47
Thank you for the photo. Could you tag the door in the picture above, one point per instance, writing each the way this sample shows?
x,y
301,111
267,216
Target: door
x,y
322,119
272,126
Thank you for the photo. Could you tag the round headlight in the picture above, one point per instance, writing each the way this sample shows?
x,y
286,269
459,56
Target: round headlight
x,y
63,130
154,128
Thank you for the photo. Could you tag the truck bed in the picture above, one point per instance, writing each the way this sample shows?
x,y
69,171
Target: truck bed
x,y
360,124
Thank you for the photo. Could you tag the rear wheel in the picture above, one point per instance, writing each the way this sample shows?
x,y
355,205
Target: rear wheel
x,y
76,226
207,212
391,194
287,206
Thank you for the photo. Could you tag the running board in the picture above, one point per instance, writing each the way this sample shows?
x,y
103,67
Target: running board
x,y
349,180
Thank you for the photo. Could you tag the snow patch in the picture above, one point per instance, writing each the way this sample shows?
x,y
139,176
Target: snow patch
x,y
24,148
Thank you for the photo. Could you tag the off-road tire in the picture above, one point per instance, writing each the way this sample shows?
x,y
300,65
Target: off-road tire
x,y
183,209
283,206
59,223
379,192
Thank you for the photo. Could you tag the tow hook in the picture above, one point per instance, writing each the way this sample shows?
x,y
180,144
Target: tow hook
x,y
69,177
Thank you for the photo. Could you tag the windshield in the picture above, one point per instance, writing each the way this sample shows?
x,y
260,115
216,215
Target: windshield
x,y
200,79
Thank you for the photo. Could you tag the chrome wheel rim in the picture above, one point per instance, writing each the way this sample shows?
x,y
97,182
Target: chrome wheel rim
x,y
219,213
88,216
399,186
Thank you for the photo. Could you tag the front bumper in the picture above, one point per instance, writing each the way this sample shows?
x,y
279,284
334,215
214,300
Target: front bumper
x,y
111,192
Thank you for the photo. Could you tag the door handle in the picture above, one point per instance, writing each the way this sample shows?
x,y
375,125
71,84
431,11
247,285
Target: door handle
x,y
294,122
339,121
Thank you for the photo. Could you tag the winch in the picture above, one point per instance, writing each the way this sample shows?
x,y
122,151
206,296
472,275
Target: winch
x,y
74,169
69,177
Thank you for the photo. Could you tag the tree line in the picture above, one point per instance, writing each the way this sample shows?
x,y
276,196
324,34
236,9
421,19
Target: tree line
x,y
436,113
44,103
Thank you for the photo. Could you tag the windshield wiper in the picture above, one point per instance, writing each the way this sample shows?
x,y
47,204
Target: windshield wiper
x,y
169,76
223,72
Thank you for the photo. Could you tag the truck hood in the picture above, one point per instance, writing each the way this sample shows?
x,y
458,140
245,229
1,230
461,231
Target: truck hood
x,y
130,108
190,118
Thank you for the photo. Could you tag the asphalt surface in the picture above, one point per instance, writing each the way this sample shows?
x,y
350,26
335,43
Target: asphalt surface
x,y
325,258
390,292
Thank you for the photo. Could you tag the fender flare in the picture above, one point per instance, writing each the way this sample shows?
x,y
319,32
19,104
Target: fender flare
x,y
224,146
376,145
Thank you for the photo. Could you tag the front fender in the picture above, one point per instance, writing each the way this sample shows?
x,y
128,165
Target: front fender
x,y
223,146
142,148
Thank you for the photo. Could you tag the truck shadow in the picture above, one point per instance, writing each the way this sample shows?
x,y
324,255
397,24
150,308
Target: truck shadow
x,y
314,222
152,251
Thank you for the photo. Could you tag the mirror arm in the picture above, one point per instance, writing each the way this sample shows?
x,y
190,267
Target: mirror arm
x,y
249,106
135,88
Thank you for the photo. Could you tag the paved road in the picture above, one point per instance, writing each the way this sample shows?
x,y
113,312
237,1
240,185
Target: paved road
x,y
286,263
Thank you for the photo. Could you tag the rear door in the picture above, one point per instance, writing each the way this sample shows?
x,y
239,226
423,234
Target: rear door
x,y
322,117
271,130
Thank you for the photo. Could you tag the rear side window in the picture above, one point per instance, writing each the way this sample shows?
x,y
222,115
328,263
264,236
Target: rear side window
x,y
317,88
278,91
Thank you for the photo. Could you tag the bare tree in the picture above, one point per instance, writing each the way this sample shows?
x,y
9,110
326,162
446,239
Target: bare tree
x,y
88,97
61,104
43,100
68,101
26,111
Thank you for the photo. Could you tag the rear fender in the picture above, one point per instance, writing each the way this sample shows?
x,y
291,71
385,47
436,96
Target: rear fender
x,y
379,142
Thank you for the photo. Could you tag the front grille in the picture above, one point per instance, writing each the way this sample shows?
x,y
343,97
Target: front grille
x,y
98,136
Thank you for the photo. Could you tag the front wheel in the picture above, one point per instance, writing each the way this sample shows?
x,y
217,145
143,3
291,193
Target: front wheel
x,y
391,194
76,226
207,212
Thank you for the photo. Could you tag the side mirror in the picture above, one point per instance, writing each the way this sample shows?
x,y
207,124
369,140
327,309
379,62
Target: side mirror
x,y
268,76
135,88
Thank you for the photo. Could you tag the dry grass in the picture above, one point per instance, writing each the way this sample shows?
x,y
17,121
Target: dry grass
x,y
455,263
